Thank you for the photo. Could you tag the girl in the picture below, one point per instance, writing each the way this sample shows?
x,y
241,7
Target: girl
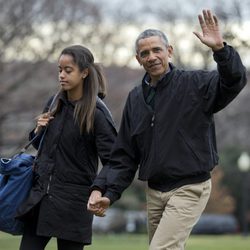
x,y
78,131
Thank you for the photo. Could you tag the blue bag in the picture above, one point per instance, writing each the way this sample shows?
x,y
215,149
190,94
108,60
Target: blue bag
x,y
16,178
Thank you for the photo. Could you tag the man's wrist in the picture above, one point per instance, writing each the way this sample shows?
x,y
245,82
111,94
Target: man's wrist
x,y
96,188
218,47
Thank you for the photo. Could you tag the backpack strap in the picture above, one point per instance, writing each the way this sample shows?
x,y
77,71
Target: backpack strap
x,y
26,146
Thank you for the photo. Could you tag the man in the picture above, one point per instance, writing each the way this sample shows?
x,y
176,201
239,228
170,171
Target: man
x,y
168,130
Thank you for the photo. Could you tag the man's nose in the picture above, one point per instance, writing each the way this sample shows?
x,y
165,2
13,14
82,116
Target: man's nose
x,y
151,56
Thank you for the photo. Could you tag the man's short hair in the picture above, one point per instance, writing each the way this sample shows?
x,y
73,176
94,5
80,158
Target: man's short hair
x,y
148,33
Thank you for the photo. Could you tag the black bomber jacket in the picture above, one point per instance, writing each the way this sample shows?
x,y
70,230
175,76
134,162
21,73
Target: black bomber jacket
x,y
177,138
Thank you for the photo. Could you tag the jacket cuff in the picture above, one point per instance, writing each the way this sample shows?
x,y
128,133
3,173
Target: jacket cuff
x,y
112,197
222,54
93,188
37,140
32,134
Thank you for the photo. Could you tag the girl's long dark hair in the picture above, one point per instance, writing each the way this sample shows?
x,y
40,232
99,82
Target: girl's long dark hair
x,y
94,84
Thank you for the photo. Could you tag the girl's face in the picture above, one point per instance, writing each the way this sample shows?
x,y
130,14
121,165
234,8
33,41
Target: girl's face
x,y
70,77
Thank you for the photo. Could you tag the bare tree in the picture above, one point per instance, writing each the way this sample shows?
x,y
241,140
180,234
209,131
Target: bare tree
x,y
34,29
171,18
31,33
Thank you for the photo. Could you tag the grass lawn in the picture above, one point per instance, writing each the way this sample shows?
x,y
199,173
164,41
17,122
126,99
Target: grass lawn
x,y
139,242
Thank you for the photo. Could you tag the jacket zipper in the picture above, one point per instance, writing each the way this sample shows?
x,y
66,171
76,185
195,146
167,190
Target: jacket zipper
x,y
154,139
50,177
48,187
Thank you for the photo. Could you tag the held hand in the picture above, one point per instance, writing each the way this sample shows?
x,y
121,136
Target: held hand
x,y
98,204
95,195
42,121
211,35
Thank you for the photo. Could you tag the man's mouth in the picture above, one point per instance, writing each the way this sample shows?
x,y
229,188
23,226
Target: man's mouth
x,y
154,65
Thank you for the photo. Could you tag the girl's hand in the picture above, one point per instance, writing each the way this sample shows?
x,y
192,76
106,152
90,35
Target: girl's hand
x,y
98,204
42,121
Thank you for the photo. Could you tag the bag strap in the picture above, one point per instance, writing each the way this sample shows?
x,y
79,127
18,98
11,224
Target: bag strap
x,y
26,146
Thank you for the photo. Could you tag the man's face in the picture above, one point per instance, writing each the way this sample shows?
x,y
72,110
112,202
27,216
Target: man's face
x,y
154,56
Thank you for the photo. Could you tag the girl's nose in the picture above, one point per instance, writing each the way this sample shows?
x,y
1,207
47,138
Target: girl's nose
x,y
61,75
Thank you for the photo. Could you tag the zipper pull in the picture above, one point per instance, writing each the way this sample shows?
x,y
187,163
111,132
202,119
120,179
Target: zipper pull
x,y
152,120
48,187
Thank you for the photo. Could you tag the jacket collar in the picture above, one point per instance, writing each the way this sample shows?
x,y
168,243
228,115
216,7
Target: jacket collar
x,y
63,98
164,80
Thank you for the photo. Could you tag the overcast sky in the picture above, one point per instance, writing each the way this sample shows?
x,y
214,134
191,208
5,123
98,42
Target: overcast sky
x,y
181,7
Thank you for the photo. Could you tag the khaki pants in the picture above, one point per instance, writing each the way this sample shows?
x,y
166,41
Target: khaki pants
x,y
172,215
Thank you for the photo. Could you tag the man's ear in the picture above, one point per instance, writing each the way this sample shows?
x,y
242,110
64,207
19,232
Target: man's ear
x,y
85,73
170,51
138,59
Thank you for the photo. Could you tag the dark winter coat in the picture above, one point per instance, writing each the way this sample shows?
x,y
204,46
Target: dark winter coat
x,y
65,169
176,140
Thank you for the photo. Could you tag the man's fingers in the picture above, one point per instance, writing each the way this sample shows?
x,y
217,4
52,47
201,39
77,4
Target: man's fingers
x,y
216,21
100,215
95,205
197,34
98,204
100,212
96,210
